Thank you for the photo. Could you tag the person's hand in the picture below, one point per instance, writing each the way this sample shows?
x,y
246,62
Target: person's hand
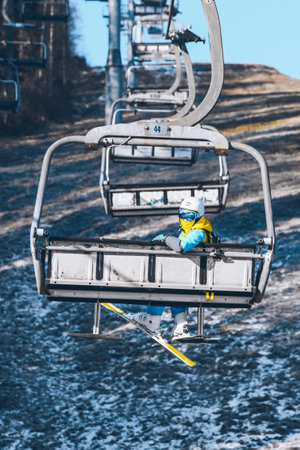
x,y
160,238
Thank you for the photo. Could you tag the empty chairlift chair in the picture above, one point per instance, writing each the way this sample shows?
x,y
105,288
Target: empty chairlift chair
x,y
153,102
23,44
143,8
173,95
160,198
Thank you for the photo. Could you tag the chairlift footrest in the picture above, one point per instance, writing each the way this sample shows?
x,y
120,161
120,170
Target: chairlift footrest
x,y
198,340
96,336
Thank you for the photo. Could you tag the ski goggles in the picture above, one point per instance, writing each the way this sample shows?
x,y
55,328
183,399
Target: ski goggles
x,y
185,214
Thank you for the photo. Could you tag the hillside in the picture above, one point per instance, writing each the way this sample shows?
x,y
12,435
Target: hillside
x,y
246,387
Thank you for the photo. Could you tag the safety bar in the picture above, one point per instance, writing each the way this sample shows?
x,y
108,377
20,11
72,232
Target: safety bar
x,y
171,95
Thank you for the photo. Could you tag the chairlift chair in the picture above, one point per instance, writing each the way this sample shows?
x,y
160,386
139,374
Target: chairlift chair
x,y
10,99
48,10
173,96
144,10
225,275
153,25
161,198
23,44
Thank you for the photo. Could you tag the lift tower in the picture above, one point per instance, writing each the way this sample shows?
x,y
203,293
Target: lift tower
x,y
114,63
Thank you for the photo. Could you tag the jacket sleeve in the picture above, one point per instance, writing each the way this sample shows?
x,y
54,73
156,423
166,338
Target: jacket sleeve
x,y
174,244
193,238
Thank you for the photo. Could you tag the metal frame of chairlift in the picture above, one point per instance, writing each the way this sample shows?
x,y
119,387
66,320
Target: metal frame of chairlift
x,y
139,272
210,275
52,10
10,103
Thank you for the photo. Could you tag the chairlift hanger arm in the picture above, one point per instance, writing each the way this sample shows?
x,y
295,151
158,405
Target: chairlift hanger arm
x,y
191,86
217,68
264,276
170,18
4,12
177,80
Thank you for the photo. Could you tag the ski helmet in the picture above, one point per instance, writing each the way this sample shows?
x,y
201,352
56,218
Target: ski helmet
x,y
193,204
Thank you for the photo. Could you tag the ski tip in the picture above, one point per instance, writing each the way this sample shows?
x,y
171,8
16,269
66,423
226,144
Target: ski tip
x,y
189,362
181,356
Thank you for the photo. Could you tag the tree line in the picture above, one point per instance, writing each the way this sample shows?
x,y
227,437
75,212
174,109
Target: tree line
x,y
45,84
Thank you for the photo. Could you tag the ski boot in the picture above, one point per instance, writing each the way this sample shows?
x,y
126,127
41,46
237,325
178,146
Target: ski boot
x,y
148,321
180,329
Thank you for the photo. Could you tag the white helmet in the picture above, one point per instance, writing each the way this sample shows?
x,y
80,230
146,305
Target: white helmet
x,y
193,204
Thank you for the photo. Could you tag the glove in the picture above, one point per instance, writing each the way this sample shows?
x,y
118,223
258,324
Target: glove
x,y
160,238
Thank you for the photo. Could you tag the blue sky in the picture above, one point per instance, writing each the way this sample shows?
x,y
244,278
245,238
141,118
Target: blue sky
x,y
253,31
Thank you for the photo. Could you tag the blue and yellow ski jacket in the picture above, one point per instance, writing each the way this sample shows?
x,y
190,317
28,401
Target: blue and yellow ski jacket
x,y
199,232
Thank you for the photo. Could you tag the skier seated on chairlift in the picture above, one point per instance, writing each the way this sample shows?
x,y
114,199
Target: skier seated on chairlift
x,y
194,228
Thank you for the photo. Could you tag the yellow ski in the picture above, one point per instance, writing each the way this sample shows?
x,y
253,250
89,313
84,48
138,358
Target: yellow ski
x,y
157,338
